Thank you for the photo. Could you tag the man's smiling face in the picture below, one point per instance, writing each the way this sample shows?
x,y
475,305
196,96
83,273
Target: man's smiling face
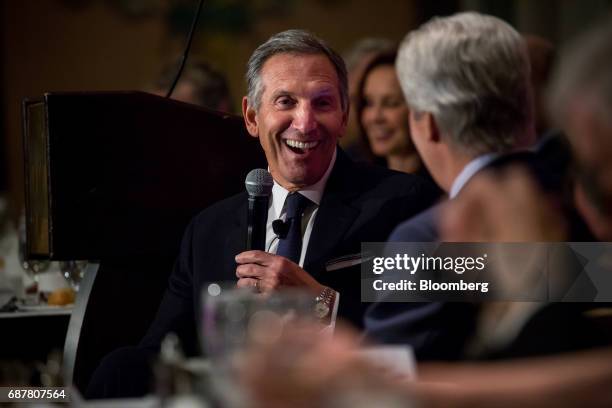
x,y
299,119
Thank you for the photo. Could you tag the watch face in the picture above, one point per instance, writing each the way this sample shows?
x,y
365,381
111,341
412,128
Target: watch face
x,y
321,310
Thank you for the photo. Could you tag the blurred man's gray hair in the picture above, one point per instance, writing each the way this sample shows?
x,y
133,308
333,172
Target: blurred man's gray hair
x,y
471,72
293,42
585,72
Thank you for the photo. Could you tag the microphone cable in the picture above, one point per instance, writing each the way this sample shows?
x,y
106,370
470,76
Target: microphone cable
x,y
271,243
187,47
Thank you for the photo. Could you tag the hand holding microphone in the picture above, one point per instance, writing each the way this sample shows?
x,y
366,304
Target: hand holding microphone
x,y
256,268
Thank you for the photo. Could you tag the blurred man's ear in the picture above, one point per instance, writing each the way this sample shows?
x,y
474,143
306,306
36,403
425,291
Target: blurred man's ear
x,y
434,131
250,117
599,224
423,125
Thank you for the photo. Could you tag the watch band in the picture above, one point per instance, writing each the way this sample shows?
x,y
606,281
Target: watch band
x,y
324,302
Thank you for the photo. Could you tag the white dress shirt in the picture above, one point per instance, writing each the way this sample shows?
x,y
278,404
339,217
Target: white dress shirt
x,y
276,210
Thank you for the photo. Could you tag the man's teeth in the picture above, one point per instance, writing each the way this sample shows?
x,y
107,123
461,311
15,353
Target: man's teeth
x,y
301,145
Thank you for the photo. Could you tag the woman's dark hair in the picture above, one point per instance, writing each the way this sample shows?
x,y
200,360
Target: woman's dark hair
x,y
380,59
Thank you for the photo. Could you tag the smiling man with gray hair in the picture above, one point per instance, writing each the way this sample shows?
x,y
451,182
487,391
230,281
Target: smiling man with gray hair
x,y
297,107
466,79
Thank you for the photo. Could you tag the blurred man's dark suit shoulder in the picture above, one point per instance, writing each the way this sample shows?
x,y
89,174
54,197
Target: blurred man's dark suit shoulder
x,y
440,330
360,203
435,330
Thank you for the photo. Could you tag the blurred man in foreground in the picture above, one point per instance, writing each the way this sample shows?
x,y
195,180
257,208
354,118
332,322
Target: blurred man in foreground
x,y
297,106
466,79
512,208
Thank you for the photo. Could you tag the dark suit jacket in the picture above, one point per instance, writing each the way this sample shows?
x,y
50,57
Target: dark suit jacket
x,y
435,330
439,330
360,203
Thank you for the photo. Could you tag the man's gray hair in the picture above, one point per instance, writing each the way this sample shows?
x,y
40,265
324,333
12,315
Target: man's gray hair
x,y
471,72
585,71
292,42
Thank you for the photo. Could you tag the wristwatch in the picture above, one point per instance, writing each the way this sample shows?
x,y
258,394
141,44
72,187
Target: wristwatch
x,y
324,302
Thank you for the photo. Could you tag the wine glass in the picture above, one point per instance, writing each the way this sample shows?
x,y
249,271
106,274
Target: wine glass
x,y
73,272
232,318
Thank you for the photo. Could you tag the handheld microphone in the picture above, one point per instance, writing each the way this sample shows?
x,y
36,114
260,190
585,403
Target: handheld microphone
x,y
259,186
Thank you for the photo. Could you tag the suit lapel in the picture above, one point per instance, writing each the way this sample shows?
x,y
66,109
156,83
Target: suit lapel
x,y
331,223
335,214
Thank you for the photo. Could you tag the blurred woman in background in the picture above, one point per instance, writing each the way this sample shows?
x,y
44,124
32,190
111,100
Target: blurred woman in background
x,y
383,117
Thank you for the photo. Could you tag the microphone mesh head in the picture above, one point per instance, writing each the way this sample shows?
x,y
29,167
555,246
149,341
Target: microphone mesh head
x,y
259,183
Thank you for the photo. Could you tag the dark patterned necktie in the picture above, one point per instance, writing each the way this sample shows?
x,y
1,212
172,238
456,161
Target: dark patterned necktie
x,y
291,246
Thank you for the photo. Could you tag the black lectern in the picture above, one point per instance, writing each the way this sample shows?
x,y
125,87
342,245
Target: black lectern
x,y
113,178
119,174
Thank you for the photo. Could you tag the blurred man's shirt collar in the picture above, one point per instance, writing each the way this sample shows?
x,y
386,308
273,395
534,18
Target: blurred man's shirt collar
x,y
469,171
